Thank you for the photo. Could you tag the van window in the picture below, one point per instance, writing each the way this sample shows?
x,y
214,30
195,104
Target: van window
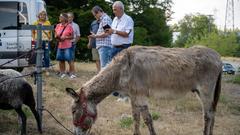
x,y
12,14
8,14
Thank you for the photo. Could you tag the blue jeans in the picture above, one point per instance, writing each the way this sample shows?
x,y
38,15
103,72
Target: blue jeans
x,y
73,50
46,55
105,53
115,50
64,54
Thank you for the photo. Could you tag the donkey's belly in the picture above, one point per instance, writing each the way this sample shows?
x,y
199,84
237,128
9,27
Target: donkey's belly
x,y
168,93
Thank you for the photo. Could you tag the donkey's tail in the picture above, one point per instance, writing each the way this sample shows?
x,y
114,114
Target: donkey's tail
x,y
217,91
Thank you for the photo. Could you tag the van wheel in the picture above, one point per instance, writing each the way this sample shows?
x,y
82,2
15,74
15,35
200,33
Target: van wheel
x,y
19,69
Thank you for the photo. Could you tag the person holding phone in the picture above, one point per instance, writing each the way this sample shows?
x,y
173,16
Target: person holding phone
x,y
103,39
92,43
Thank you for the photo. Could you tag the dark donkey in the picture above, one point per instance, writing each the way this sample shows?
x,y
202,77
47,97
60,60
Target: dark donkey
x,y
14,92
142,72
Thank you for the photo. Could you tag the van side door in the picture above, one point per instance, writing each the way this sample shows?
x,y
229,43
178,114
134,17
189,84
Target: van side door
x,y
8,32
14,41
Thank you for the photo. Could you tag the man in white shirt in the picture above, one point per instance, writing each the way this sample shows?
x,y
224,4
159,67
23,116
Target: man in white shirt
x,y
76,37
121,34
121,29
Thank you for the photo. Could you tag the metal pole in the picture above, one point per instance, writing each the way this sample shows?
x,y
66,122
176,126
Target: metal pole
x,y
209,23
39,71
225,26
38,68
233,14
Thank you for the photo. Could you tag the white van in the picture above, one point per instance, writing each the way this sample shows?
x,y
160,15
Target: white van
x,y
14,41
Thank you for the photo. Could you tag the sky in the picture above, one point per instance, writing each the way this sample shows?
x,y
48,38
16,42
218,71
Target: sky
x,y
217,8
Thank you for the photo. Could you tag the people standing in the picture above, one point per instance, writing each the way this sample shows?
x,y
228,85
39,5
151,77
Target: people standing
x,y
76,38
92,43
122,31
103,39
46,38
64,36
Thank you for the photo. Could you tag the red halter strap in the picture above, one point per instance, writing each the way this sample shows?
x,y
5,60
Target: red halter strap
x,y
86,113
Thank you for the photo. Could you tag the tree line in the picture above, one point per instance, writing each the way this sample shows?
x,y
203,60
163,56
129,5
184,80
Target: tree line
x,y
200,29
150,25
150,20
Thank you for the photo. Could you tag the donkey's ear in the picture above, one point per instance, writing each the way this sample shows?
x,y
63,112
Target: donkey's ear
x,y
72,93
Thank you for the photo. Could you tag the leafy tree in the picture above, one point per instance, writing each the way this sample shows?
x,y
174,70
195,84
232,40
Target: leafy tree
x,y
154,21
225,44
141,36
194,27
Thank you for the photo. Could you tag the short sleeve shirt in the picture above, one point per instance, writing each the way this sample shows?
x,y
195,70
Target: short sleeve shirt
x,y
126,24
76,31
68,31
46,34
106,41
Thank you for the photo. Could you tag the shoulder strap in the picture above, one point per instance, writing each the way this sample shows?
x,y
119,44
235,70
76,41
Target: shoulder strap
x,y
63,30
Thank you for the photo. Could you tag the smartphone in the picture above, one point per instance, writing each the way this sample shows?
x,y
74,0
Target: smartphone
x,y
106,27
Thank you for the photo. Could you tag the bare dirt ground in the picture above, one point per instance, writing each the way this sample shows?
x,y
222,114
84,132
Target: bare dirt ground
x,y
176,117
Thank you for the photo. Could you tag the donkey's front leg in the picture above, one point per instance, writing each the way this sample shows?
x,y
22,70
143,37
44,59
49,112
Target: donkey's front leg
x,y
136,117
147,119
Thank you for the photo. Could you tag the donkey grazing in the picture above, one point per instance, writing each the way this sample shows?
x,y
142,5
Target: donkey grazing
x,y
142,72
14,92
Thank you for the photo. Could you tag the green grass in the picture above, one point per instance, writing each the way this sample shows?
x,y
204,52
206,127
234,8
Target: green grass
x,y
155,115
13,113
236,79
126,122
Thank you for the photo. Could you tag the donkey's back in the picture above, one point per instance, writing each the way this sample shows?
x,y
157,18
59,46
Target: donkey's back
x,y
154,69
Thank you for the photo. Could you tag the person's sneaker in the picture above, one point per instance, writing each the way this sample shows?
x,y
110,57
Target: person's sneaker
x,y
58,73
62,75
72,76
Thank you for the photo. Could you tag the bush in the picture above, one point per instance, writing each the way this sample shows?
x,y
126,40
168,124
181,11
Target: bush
x,y
225,44
155,115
